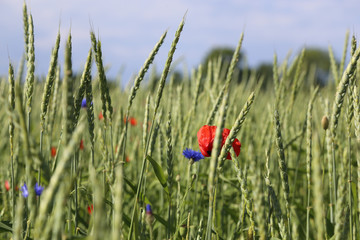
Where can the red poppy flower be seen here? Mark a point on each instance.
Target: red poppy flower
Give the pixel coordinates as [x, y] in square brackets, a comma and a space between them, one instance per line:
[132, 121]
[7, 185]
[101, 117]
[206, 135]
[127, 159]
[53, 151]
[82, 144]
[90, 209]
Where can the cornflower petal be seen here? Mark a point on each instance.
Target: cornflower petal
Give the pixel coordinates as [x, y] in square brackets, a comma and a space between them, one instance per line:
[38, 189]
[192, 155]
[24, 191]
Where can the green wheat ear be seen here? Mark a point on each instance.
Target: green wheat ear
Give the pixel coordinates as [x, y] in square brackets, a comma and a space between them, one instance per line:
[235, 129]
[67, 94]
[341, 91]
[50, 78]
[30, 74]
[341, 204]
[85, 78]
[274, 201]
[143, 70]
[282, 165]
[26, 29]
[11, 105]
[167, 65]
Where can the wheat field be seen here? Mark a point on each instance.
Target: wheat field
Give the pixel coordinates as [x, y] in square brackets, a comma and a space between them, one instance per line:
[206, 157]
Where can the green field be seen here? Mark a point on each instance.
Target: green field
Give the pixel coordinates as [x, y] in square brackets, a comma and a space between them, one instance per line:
[112, 164]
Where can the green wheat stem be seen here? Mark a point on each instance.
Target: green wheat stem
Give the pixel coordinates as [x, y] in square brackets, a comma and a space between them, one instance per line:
[157, 103]
[46, 96]
[181, 204]
[212, 179]
[133, 93]
[169, 161]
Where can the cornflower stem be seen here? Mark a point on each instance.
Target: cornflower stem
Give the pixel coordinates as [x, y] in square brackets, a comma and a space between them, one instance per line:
[194, 212]
[188, 173]
[39, 171]
[151, 232]
[181, 206]
[141, 177]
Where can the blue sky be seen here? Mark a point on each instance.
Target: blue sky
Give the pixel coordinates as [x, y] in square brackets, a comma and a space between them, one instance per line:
[129, 29]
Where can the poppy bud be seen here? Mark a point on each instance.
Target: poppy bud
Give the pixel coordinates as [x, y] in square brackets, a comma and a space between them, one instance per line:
[101, 116]
[81, 145]
[53, 152]
[90, 209]
[7, 185]
[325, 122]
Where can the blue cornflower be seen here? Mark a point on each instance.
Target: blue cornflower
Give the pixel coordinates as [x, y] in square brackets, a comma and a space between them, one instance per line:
[83, 103]
[149, 214]
[192, 155]
[148, 209]
[25, 191]
[38, 189]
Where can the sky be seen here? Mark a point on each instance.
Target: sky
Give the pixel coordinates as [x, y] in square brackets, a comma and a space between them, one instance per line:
[129, 30]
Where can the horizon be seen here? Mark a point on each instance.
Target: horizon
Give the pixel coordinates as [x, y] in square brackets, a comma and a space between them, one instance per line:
[129, 31]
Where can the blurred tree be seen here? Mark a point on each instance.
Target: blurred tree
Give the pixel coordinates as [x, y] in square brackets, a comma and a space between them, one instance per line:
[265, 70]
[226, 54]
[318, 59]
[316, 63]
